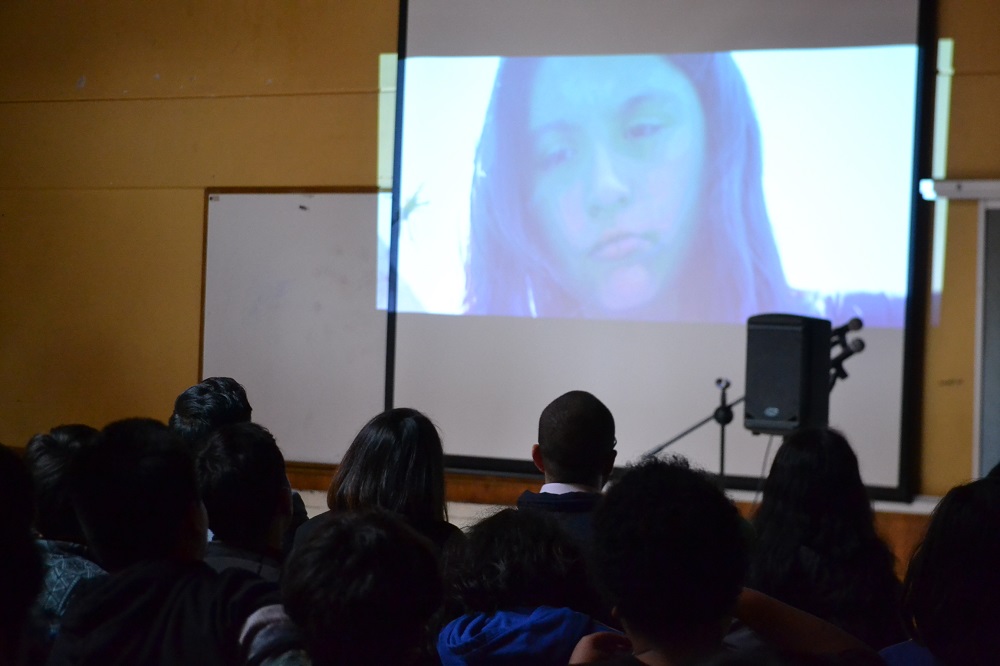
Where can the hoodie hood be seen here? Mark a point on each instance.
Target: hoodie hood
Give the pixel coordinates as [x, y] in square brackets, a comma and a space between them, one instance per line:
[540, 636]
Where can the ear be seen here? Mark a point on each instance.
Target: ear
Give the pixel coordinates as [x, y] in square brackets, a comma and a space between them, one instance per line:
[609, 466]
[536, 457]
[285, 503]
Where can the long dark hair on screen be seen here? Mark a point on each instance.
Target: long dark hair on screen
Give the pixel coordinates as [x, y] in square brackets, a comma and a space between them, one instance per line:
[817, 548]
[735, 257]
[396, 463]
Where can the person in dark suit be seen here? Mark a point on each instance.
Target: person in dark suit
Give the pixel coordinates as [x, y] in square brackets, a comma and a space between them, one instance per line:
[576, 453]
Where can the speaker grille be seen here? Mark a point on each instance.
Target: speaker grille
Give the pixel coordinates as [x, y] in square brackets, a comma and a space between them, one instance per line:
[788, 369]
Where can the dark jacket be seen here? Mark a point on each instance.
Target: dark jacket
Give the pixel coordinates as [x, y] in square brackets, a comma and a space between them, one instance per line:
[574, 511]
[161, 612]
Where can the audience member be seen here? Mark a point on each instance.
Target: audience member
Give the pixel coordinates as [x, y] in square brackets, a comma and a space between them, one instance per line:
[670, 549]
[67, 560]
[217, 402]
[817, 548]
[241, 476]
[210, 404]
[20, 563]
[953, 582]
[576, 453]
[395, 463]
[136, 495]
[362, 590]
[518, 593]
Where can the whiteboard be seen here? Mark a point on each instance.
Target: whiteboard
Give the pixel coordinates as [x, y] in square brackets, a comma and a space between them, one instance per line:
[290, 312]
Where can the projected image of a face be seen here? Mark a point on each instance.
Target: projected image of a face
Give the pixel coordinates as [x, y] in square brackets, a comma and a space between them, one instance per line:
[621, 187]
[617, 155]
[657, 187]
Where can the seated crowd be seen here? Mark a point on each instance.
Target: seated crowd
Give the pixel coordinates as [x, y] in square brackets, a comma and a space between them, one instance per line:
[183, 543]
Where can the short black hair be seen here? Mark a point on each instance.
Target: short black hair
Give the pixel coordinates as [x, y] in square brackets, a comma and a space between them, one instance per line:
[210, 404]
[241, 476]
[362, 589]
[576, 433]
[516, 559]
[395, 462]
[950, 593]
[669, 548]
[49, 457]
[132, 491]
[21, 573]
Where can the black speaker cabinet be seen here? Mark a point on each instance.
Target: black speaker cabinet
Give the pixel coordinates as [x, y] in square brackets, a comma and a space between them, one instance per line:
[788, 373]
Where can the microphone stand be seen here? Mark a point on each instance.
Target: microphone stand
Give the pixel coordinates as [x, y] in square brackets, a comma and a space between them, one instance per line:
[837, 372]
[723, 415]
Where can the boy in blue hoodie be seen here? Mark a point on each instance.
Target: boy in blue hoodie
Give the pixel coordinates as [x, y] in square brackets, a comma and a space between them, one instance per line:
[519, 593]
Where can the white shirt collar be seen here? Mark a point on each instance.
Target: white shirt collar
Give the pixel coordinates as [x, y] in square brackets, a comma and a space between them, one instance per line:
[563, 488]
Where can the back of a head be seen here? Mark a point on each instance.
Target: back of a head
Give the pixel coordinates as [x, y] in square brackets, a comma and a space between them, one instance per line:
[210, 404]
[814, 496]
[362, 589]
[953, 582]
[241, 477]
[21, 573]
[133, 490]
[576, 434]
[815, 471]
[669, 549]
[395, 463]
[516, 559]
[816, 544]
[50, 457]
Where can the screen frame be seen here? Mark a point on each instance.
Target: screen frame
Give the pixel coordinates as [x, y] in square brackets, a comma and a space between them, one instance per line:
[917, 300]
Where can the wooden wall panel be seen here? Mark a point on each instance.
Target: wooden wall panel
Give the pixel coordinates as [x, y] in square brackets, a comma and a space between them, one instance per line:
[314, 140]
[972, 24]
[118, 49]
[974, 146]
[101, 303]
[949, 383]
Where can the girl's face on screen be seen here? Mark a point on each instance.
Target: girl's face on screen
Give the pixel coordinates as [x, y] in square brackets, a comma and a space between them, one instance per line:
[618, 151]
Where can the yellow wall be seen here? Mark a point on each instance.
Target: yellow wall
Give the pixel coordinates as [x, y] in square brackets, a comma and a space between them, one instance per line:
[974, 152]
[117, 115]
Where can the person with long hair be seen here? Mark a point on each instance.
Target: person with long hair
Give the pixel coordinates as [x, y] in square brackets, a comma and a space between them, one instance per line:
[395, 463]
[952, 584]
[606, 186]
[817, 548]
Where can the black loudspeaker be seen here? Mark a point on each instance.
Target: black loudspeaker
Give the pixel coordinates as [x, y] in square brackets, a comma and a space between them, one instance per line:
[788, 373]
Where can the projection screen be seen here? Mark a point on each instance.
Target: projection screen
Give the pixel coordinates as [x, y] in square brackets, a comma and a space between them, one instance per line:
[597, 195]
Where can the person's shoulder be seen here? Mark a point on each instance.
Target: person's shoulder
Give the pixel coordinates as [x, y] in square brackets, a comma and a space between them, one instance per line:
[908, 653]
[222, 557]
[308, 527]
[439, 532]
[563, 502]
